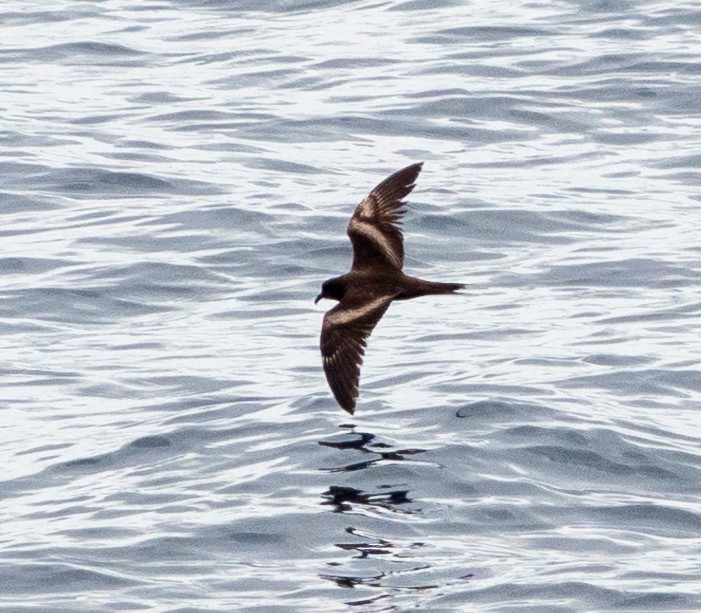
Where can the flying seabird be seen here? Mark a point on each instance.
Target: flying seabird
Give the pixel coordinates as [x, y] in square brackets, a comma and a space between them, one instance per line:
[374, 281]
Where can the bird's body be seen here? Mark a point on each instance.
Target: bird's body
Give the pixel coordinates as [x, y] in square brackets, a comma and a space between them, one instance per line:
[374, 281]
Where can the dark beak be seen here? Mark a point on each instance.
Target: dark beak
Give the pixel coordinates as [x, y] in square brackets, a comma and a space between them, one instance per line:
[319, 297]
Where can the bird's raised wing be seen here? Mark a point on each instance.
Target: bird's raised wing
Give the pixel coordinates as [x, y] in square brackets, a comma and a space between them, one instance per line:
[344, 335]
[374, 228]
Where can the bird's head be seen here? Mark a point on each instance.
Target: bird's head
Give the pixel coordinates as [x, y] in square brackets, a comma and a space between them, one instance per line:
[334, 289]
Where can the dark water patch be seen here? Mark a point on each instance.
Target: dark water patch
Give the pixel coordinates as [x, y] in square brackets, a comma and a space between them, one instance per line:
[514, 225]
[283, 166]
[501, 411]
[658, 601]
[207, 35]
[623, 34]
[626, 65]
[18, 142]
[692, 161]
[91, 48]
[95, 120]
[228, 258]
[389, 123]
[11, 203]
[104, 533]
[485, 34]
[150, 442]
[462, 64]
[57, 577]
[172, 548]
[87, 306]
[252, 217]
[683, 177]
[652, 519]
[485, 107]
[284, 7]
[186, 119]
[42, 449]
[568, 457]
[466, 391]
[160, 97]
[536, 596]
[617, 360]
[354, 62]
[28, 17]
[422, 5]
[138, 157]
[190, 384]
[679, 313]
[18, 173]
[250, 536]
[88, 182]
[78, 53]
[255, 78]
[139, 453]
[482, 335]
[668, 383]
[38, 376]
[565, 437]
[623, 137]
[231, 146]
[156, 283]
[30, 265]
[631, 272]
[611, 191]
[590, 462]
[194, 409]
[77, 506]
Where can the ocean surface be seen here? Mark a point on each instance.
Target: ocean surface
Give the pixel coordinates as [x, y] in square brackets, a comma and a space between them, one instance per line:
[176, 178]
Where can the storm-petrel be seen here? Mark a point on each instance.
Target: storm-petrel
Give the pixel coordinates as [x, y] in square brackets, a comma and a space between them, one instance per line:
[374, 281]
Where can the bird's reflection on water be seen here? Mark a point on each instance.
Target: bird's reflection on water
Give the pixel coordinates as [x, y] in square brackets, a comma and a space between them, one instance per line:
[402, 555]
[365, 443]
[344, 497]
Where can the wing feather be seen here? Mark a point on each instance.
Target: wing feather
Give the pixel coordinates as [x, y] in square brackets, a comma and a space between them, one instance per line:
[344, 335]
[375, 227]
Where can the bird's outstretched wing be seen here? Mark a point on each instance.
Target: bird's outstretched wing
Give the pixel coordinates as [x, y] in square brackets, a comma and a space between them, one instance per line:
[374, 228]
[344, 337]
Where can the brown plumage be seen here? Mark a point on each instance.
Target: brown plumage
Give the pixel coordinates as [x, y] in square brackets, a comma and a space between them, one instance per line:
[374, 281]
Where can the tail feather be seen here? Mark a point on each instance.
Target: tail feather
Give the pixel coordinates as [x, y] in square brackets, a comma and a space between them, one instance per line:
[419, 287]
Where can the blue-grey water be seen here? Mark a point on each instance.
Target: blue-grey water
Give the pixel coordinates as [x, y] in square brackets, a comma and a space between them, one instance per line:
[175, 182]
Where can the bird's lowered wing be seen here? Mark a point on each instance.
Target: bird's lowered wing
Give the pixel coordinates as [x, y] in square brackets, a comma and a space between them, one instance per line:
[374, 228]
[344, 335]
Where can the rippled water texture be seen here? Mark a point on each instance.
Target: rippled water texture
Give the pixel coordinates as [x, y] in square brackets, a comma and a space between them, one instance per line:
[176, 182]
